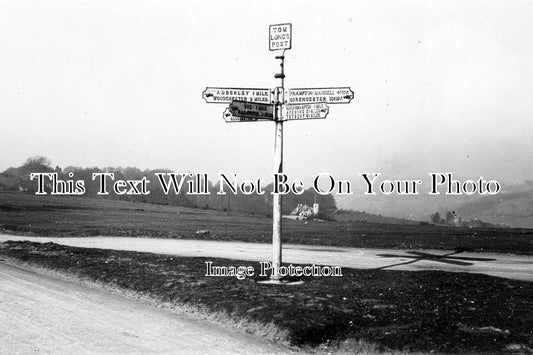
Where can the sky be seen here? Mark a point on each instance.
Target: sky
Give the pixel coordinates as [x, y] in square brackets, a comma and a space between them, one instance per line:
[440, 86]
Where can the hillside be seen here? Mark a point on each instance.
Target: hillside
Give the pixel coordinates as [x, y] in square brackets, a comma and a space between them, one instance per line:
[512, 208]
[68, 216]
[19, 179]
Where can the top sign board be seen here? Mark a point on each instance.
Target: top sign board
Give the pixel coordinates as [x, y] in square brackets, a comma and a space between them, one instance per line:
[227, 95]
[338, 95]
[280, 36]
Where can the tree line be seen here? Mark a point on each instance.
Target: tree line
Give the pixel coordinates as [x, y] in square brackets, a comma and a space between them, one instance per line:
[19, 179]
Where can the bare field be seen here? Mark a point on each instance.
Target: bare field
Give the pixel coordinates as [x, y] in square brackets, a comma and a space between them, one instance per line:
[79, 216]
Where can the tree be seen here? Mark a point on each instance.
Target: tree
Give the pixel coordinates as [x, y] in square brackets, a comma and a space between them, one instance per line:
[38, 160]
[435, 218]
[36, 164]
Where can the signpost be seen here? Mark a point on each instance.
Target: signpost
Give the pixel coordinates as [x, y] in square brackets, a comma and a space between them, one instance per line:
[252, 110]
[277, 105]
[280, 37]
[341, 95]
[227, 95]
[229, 116]
[305, 111]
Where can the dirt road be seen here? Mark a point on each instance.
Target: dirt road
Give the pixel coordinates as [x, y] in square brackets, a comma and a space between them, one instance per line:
[519, 267]
[42, 314]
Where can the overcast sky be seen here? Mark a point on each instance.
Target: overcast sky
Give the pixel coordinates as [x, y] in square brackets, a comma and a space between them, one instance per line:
[439, 86]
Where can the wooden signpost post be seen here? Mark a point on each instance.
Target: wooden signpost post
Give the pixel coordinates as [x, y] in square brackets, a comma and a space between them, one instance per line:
[277, 105]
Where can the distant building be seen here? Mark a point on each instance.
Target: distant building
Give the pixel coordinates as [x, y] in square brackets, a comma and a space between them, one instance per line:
[457, 222]
[305, 212]
[452, 220]
[315, 208]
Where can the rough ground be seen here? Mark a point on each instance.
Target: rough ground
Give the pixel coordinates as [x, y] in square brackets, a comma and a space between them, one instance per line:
[424, 311]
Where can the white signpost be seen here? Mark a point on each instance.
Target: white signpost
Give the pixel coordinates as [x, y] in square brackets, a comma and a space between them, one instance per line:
[277, 105]
[305, 111]
[280, 37]
[227, 95]
[340, 95]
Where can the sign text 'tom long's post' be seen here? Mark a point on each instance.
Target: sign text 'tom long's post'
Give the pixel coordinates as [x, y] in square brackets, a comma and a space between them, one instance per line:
[277, 105]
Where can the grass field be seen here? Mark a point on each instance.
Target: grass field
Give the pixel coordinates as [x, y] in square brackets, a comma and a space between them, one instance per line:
[79, 216]
[383, 310]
